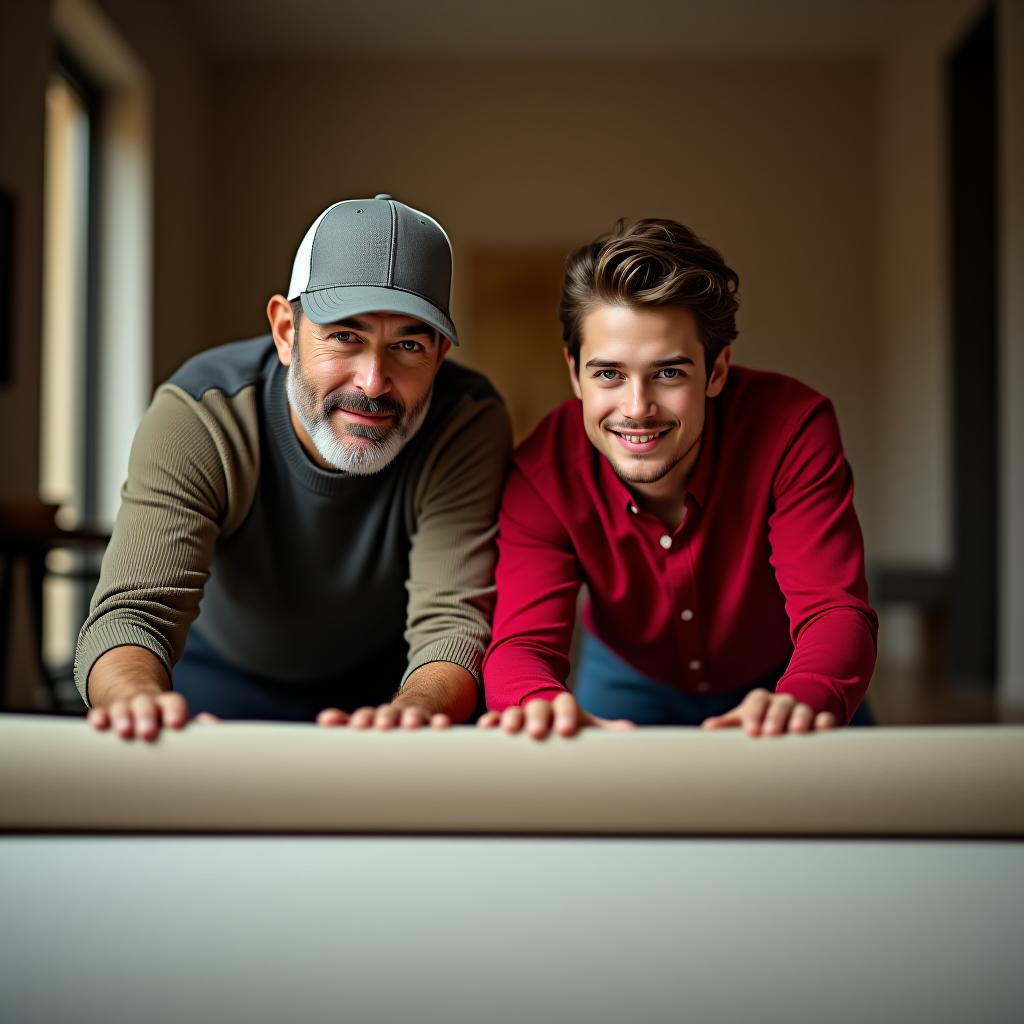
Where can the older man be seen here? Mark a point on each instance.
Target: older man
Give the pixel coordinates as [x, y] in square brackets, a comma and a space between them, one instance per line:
[320, 500]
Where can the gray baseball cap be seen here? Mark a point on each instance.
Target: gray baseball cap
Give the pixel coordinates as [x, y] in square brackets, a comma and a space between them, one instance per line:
[374, 256]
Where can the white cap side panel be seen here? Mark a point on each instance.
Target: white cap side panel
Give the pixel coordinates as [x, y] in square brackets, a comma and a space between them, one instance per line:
[304, 255]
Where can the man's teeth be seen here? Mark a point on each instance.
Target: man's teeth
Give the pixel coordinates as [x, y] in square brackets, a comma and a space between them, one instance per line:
[639, 439]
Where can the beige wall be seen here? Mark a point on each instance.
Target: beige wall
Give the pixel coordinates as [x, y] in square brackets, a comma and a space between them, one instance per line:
[773, 162]
[914, 454]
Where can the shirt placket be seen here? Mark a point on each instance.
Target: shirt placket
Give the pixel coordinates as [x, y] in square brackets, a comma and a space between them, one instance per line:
[679, 591]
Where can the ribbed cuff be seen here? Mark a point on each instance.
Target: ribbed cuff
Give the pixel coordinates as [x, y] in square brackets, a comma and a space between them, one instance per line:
[460, 650]
[105, 635]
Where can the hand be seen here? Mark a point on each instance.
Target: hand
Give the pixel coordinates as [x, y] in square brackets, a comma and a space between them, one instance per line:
[770, 714]
[385, 716]
[142, 715]
[562, 714]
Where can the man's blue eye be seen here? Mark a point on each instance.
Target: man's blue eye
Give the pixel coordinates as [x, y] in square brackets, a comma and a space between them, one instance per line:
[671, 372]
[608, 374]
[343, 335]
[411, 346]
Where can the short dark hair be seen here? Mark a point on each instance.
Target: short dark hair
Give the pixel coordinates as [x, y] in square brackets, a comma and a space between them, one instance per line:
[296, 305]
[653, 262]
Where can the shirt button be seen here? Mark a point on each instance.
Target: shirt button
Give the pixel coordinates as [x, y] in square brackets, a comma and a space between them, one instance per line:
[686, 615]
[633, 509]
[703, 687]
[694, 665]
[665, 541]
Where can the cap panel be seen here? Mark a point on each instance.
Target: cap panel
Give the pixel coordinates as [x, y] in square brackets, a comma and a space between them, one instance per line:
[352, 246]
[301, 264]
[423, 260]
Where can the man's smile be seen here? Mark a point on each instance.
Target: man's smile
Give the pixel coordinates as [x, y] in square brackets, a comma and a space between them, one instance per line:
[640, 442]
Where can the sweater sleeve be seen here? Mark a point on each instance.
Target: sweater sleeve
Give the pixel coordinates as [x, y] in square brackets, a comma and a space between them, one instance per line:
[452, 554]
[191, 476]
[818, 557]
[538, 579]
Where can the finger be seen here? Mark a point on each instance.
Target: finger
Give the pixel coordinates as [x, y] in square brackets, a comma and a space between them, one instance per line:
[206, 718]
[489, 719]
[776, 717]
[98, 718]
[387, 717]
[440, 721]
[120, 718]
[824, 720]
[730, 719]
[144, 714]
[539, 715]
[802, 718]
[567, 714]
[512, 718]
[362, 718]
[332, 716]
[753, 709]
[412, 718]
[173, 710]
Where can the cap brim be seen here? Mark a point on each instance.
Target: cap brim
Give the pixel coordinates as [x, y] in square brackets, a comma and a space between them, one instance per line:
[330, 305]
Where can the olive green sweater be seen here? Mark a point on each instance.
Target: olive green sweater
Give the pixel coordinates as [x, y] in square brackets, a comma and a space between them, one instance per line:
[297, 573]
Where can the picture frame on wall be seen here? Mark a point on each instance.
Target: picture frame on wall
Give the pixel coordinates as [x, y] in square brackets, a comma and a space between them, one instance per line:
[6, 284]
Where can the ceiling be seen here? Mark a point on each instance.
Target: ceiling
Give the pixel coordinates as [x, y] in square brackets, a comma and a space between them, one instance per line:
[545, 28]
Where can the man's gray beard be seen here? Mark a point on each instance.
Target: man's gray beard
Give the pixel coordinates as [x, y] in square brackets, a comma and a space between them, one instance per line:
[370, 455]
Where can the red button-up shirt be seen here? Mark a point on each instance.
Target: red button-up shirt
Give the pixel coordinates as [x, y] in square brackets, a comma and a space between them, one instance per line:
[765, 570]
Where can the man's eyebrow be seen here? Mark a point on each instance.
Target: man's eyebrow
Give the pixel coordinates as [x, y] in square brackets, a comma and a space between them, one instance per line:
[674, 361]
[412, 330]
[351, 322]
[610, 364]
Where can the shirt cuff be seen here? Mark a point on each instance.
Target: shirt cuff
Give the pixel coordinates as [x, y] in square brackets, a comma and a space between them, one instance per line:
[460, 650]
[818, 694]
[547, 692]
[105, 635]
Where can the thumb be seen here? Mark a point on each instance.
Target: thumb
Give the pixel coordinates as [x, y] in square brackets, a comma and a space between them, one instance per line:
[608, 723]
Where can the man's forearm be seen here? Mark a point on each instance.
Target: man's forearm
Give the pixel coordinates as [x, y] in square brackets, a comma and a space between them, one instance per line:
[440, 687]
[123, 672]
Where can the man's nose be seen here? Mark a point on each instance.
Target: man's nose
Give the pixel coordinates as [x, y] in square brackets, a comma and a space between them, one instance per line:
[371, 375]
[637, 403]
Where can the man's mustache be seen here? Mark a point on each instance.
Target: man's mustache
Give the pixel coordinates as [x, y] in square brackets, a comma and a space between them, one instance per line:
[357, 402]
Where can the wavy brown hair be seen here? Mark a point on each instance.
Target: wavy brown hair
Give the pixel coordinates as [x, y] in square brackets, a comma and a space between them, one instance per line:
[653, 262]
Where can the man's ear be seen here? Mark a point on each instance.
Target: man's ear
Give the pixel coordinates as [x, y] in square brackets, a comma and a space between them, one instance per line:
[574, 377]
[282, 327]
[719, 372]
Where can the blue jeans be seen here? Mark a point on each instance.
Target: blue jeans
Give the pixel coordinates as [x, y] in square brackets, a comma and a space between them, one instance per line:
[608, 687]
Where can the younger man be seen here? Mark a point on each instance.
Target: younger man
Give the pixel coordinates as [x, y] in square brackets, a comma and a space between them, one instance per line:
[708, 510]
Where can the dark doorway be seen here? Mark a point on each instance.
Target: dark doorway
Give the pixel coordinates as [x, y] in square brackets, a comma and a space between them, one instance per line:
[971, 78]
